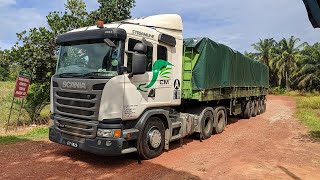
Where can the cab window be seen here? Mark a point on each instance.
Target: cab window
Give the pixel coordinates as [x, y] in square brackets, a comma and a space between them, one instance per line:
[162, 53]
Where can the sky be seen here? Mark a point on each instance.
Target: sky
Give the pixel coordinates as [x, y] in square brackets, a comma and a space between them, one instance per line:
[235, 23]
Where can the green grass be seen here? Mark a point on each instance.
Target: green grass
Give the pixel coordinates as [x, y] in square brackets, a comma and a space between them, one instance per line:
[308, 112]
[34, 134]
[6, 91]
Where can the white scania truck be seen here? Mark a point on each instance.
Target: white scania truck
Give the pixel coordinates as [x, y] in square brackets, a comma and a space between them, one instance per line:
[136, 86]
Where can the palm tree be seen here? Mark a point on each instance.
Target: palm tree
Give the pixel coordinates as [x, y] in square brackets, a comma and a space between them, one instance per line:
[263, 48]
[286, 55]
[308, 75]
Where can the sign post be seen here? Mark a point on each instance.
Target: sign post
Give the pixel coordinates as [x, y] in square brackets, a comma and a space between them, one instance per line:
[21, 92]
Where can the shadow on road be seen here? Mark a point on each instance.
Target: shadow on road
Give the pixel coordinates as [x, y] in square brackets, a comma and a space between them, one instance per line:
[120, 167]
[289, 173]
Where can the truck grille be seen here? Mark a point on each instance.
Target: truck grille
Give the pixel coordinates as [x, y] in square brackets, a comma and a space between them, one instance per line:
[76, 111]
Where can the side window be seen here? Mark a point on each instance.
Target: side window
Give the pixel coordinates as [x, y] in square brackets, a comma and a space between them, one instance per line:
[162, 53]
[131, 44]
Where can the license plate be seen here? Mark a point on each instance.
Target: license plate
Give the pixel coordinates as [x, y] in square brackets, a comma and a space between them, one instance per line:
[72, 144]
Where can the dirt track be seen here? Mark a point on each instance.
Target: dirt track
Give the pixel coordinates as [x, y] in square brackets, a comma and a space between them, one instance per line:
[272, 145]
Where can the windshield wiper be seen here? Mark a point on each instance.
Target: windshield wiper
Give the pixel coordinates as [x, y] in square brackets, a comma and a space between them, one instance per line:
[92, 74]
[70, 75]
[96, 75]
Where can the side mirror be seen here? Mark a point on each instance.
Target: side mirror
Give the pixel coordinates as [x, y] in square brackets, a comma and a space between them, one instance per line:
[140, 48]
[139, 63]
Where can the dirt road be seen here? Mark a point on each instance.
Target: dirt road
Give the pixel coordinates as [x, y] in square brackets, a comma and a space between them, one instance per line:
[272, 145]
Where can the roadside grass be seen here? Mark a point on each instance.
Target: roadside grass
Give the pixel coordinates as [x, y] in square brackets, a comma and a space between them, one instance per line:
[308, 112]
[6, 93]
[34, 134]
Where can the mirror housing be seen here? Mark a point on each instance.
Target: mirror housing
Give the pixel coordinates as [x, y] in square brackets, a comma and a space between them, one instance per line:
[140, 48]
[139, 63]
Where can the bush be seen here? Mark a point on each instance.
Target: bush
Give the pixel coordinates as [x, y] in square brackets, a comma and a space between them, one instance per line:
[4, 73]
[37, 99]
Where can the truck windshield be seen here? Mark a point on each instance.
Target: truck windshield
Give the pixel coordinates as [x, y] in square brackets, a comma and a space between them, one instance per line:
[94, 59]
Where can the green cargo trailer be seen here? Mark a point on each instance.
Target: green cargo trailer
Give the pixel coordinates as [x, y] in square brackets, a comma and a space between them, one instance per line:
[213, 71]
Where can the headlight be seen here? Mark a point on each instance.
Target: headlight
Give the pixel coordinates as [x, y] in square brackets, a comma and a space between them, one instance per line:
[109, 133]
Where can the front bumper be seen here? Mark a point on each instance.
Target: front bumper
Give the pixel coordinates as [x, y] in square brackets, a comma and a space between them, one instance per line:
[96, 145]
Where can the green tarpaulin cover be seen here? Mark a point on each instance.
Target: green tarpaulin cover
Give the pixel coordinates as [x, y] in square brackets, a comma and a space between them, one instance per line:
[218, 66]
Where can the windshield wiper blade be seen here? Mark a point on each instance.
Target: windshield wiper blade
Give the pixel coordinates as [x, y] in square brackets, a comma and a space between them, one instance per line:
[91, 74]
[69, 75]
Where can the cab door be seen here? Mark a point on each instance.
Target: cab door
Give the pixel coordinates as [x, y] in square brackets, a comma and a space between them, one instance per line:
[152, 88]
[135, 100]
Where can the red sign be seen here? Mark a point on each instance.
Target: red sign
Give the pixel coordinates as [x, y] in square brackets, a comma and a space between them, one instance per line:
[22, 85]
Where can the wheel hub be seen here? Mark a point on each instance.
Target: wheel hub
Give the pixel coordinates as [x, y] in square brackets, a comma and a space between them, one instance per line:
[154, 137]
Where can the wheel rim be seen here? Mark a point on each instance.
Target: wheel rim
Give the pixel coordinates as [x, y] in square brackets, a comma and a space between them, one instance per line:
[154, 137]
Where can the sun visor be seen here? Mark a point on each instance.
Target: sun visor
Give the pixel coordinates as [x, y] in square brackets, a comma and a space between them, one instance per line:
[91, 35]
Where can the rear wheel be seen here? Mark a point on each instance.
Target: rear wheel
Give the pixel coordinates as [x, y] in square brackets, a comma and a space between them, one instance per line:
[246, 111]
[153, 137]
[221, 118]
[259, 107]
[263, 105]
[254, 108]
[206, 126]
[264, 102]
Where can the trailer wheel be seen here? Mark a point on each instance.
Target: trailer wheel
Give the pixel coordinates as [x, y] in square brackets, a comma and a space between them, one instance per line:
[264, 105]
[260, 108]
[221, 118]
[246, 112]
[254, 108]
[153, 137]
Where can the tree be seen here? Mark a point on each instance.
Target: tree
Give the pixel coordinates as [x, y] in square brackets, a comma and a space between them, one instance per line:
[4, 67]
[308, 74]
[112, 10]
[263, 48]
[286, 55]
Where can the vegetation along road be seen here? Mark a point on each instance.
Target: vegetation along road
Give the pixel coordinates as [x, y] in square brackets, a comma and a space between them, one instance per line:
[272, 145]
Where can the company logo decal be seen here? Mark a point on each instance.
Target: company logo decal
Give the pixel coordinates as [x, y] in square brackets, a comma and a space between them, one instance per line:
[160, 67]
[74, 85]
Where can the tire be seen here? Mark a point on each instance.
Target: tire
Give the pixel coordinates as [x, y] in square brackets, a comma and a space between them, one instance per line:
[254, 108]
[206, 126]
[221, 118]
[150, 146]
[260, 107]
[246, 112]
[264, 105]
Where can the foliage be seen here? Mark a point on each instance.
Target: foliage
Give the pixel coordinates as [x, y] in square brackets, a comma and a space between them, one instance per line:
[34, 134]
[308, 74]
[37, 99]
[292, 65]
[4, 67]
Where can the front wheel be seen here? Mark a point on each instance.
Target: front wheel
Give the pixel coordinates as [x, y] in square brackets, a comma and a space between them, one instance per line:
[153, 138]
